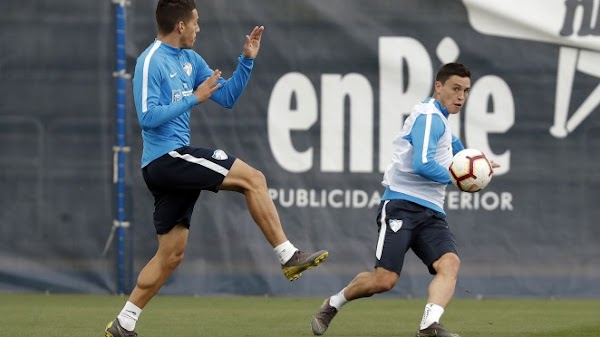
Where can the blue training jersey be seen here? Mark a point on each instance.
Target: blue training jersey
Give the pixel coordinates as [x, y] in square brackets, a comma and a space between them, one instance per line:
[163, 84]
[422, 153]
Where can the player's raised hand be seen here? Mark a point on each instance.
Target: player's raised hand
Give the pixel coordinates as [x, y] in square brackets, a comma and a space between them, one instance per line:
[494, 165]
[252, 44]
[208, 87]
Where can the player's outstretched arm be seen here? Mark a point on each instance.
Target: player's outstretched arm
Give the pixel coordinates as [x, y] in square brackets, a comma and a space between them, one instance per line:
[252, 45]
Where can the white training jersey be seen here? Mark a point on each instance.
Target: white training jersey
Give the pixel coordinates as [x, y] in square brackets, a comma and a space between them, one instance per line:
[401, 177]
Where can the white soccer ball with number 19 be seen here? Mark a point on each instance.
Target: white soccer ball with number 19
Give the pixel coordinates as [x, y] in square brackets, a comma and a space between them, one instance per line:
[470, 170]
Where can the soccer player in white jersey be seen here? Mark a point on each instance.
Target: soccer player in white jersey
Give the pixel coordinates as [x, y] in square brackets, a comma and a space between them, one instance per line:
[170, 78]
[411, 214]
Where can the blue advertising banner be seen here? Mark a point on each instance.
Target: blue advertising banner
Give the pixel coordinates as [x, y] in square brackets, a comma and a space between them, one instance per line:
[330, 89]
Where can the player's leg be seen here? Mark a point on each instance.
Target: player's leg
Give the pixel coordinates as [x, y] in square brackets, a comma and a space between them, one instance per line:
[166, 179]
[171, 247]
[172, 214]
[252, 183]
[364, 284]
[441, 288]
[214, 170]
[436, 247]
[392, 245]
[206, 169]
[152, 277]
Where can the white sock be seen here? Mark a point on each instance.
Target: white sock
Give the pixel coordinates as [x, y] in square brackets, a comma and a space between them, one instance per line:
[338, 300]
[432, 314]
[285, 251]
[129, 316]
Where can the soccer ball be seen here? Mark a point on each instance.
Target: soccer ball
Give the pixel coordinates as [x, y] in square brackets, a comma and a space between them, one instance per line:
[470, 170]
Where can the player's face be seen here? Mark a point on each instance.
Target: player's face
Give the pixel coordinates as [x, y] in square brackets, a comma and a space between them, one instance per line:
[453, 93]
[190, 29]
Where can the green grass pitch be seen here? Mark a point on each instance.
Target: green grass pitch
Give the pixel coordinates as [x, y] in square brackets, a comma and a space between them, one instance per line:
[28, 315]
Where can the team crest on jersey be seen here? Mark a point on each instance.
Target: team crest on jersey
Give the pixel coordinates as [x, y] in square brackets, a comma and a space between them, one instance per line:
[176, 95]
[187, 67]
[395, 224]
[219, 155]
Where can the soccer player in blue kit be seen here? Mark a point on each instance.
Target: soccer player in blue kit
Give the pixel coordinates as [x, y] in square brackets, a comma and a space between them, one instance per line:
[411, 214]
[170, 78]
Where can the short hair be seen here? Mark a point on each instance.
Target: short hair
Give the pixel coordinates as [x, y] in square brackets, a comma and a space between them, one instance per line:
[170, 12]
[450, 69]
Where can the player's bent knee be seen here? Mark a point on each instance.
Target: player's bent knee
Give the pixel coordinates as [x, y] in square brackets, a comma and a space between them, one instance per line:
[168, 261]
[256, 180]
[449, 263]
[174, 260]
[243, 178]
[384, 284]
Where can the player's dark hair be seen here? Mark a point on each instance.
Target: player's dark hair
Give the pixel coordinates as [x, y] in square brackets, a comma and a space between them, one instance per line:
[170, 12]
[450, 69]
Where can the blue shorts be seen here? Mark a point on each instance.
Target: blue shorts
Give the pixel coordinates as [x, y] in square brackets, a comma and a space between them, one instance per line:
[176, 179]
[404, 225]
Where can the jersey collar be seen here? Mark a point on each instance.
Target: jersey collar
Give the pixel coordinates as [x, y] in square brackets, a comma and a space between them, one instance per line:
[168, 48]
[438, 105]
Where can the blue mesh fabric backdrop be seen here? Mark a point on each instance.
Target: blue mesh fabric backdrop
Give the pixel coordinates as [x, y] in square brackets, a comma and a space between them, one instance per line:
[329, 90]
